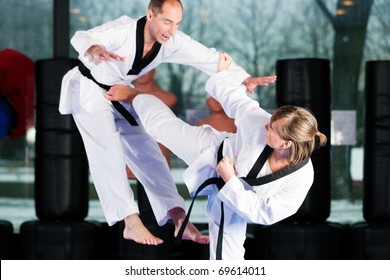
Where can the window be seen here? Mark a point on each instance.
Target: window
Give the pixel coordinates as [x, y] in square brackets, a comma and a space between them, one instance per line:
[256, 33]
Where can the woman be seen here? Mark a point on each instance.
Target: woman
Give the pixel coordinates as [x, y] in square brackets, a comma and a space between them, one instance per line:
[274, 150]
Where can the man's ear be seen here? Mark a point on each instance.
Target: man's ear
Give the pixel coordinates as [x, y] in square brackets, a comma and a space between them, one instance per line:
[149, 14]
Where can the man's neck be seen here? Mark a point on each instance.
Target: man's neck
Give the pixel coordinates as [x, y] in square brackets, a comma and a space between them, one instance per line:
[148, 40]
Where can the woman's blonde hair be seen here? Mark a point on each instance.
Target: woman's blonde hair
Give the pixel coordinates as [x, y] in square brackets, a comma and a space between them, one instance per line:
[299, 126]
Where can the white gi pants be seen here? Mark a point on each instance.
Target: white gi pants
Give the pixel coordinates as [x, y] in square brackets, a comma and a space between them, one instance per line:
[111, 143]
[188, 142]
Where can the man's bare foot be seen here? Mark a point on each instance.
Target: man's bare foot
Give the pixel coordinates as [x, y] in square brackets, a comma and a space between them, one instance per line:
[136, 231]
[190, 232]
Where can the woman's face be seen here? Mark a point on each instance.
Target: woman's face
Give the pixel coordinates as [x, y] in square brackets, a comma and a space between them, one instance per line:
[273, 138]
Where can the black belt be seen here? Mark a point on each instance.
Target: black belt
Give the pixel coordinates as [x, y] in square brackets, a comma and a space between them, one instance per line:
[250, 179]
[219, 182]
[126, 114]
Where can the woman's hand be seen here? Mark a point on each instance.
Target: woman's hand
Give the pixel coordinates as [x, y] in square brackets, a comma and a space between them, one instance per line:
[251, 82]
[224, 61]
[225, 169]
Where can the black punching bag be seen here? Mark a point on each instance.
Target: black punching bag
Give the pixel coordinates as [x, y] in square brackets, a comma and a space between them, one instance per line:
[376, 196]
[306, 83]
[82, 240]
[61, 166]
[6, 240]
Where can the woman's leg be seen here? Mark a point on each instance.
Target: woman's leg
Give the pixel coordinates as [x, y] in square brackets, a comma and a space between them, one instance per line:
[184, 140]
[145, 159]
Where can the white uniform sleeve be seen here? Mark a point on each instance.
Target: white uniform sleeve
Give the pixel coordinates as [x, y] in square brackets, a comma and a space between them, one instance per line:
[182, 49]
[260, 209]
[106, 35]
[234, 100]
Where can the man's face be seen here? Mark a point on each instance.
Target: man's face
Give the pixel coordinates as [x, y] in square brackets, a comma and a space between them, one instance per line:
[162, 26]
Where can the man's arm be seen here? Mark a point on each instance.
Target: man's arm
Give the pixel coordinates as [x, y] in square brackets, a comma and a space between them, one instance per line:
[252, 82]
[182, 49]
[99, 53]
[98, 38]
[122, 93]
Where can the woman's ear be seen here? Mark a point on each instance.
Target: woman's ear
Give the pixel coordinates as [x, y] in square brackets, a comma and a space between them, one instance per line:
[287, 144]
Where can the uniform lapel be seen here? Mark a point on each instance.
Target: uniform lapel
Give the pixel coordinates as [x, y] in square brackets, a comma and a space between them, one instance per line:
[140, 63]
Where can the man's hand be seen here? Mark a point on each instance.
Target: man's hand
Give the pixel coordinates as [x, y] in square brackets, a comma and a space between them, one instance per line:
[122, 93]
[252, 82]
[98, 53]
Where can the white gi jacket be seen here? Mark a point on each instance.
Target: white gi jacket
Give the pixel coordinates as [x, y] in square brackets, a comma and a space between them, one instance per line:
[265, 204]
[110, 141]
[120, 36]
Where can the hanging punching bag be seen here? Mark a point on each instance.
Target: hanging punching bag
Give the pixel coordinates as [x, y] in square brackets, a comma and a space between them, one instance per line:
[376, 182]
[61, 166]
[306, 83]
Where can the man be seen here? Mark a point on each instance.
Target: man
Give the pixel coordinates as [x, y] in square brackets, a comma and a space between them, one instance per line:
[113, 55]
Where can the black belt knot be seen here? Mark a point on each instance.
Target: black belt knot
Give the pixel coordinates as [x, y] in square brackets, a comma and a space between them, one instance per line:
[122, 110]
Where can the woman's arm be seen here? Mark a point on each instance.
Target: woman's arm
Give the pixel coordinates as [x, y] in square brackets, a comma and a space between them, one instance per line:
[264, 207]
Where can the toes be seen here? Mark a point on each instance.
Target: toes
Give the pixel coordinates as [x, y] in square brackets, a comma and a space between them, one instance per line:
[202, 239]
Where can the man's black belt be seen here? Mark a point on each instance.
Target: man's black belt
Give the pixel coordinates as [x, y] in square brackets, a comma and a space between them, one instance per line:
[122, 110]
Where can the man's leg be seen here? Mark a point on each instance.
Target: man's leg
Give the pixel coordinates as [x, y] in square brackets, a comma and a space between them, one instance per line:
[107, 168]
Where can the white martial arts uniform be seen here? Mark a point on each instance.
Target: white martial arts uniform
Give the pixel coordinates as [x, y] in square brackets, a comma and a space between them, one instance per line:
[264, 204]
[110, 141]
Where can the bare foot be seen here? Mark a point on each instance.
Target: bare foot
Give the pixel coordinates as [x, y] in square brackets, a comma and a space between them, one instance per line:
[136, 231]
[190, 232]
